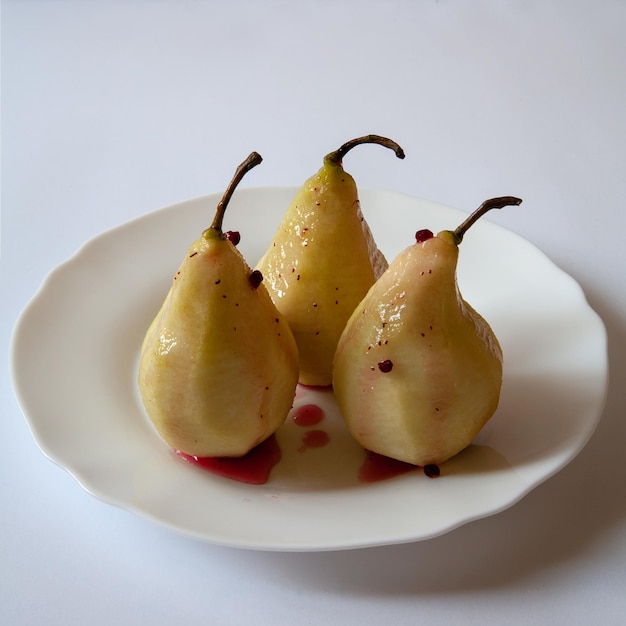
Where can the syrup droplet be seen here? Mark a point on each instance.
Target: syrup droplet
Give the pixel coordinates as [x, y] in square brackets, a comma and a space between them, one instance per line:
[314, 439]
[253, 468]
[423, 235]
[308, 415]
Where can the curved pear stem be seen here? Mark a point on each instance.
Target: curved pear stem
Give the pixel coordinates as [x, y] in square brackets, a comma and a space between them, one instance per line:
[336, 157]
[487, 205]
[254, 158]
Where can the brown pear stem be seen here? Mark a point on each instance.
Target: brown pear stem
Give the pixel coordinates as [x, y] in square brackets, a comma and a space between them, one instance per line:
[254, 158]
[336, 157]
[487, 205]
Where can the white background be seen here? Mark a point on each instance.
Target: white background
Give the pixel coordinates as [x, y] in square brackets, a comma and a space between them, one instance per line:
[113, 109]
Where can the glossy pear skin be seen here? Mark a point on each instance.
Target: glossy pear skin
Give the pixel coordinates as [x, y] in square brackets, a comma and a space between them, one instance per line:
[219, 365]
[446, 363]
[320, 264]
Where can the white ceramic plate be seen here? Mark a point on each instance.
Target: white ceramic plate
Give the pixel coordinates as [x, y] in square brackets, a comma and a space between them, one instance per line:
[75, 359]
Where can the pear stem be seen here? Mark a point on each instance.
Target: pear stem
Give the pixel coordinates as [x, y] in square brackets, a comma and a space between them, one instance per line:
[487, 205]
[254, 158]
[336, 157]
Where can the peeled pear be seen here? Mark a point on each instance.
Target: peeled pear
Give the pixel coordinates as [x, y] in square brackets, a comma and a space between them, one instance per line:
[417, 371]
[219, 365]
[322, 260]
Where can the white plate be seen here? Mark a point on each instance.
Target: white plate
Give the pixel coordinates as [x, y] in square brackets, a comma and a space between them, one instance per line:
[75, 360]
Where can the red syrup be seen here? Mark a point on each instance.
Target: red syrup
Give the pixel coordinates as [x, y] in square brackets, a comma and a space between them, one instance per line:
[308, 415]
[314, 439]
[253, 468]
[378, 467]
[302, 389]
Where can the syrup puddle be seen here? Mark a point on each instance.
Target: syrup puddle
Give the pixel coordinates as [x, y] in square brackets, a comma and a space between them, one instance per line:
[255, 467]
[377, 467]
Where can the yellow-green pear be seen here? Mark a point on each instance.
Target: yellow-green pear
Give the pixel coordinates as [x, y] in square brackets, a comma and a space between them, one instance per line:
[418, 371]
[322, 261]
[219, 365]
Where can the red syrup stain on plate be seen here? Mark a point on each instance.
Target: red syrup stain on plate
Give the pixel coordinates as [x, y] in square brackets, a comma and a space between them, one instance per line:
[308, 415]
[253, 468]
[303, 390]
[314, 439]
[377, 467]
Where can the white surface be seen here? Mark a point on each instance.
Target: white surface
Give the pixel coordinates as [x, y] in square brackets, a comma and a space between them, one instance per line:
[111, 110]
[84, 408]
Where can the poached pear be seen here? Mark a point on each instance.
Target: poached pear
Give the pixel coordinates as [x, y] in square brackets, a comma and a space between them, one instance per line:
[219, 365]
[322, 261]
[417, 371]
